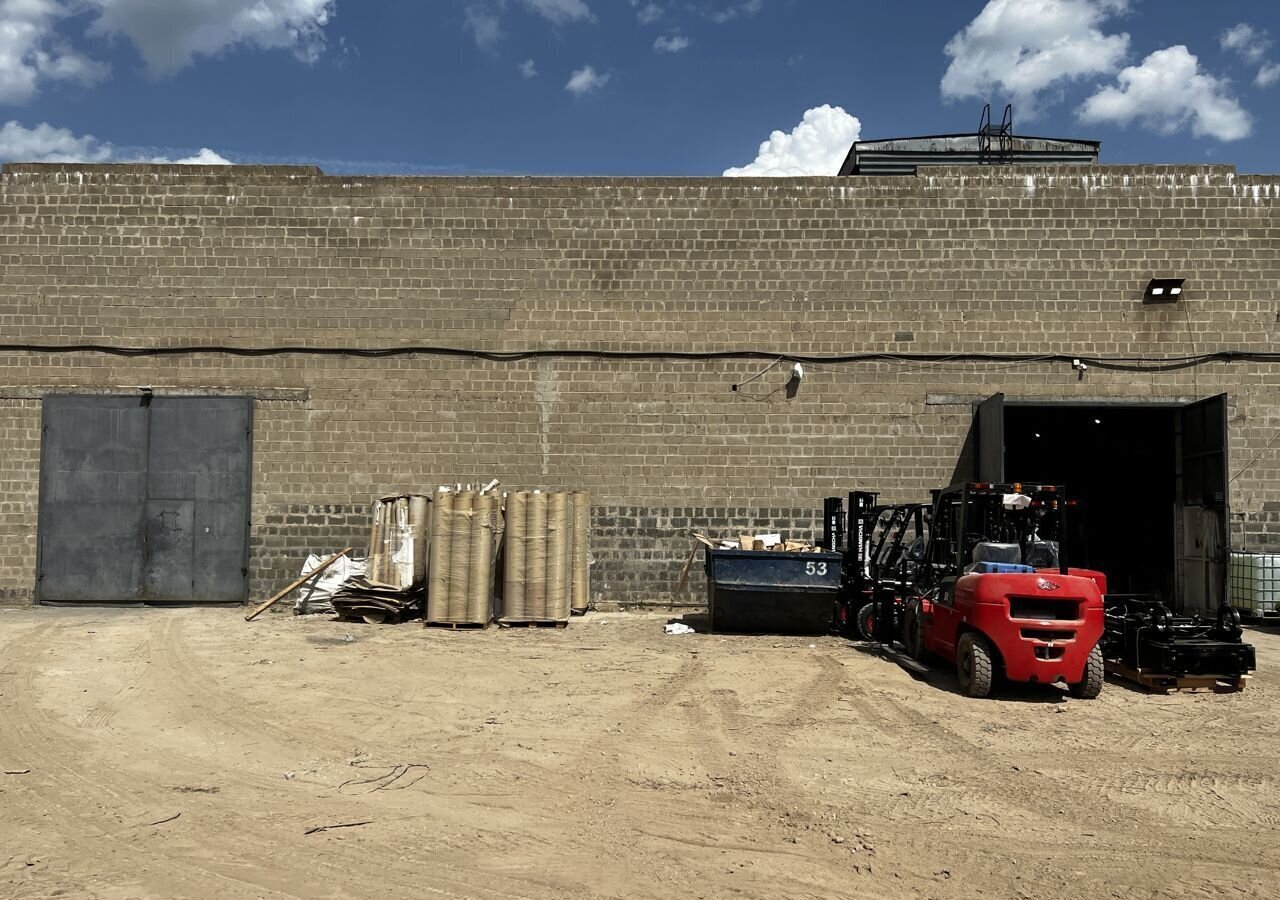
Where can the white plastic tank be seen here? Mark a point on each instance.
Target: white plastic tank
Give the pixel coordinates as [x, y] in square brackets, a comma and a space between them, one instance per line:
[1255, 583]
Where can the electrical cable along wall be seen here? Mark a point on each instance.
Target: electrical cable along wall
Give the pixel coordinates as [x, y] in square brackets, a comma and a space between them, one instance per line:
[1110, 363]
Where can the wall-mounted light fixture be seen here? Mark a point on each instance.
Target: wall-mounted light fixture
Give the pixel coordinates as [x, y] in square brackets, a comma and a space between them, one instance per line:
[793, 384]
[1163, 290]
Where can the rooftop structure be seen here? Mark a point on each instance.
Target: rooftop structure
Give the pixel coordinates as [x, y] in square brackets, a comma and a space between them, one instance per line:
[989, 145]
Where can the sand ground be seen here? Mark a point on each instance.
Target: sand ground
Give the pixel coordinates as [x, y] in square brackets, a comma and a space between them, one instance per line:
[187, 754]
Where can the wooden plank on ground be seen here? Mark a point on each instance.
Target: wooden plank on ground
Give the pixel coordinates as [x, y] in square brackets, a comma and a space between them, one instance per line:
[299, 582]
[1155, 681]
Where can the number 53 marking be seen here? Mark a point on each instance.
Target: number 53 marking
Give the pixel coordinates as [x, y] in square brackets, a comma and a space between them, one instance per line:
[812, 568]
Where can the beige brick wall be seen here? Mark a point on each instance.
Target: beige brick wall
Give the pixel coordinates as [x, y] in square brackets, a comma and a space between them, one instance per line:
[1017, 261]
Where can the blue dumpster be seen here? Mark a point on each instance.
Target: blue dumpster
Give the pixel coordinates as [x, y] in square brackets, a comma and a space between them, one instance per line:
[771, 592]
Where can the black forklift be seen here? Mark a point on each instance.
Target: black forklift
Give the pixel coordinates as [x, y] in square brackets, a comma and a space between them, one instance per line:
[881, 548]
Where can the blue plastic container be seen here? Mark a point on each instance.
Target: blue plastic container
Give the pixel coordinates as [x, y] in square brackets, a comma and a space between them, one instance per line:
[998, 568]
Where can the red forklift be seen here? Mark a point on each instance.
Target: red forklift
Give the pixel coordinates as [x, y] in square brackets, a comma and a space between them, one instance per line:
[995, 596]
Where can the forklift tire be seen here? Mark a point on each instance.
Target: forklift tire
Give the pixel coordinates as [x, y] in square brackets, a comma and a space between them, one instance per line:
[975, 665]
[846, 624]
[1094, 676]
[913, 634]
[867, 622]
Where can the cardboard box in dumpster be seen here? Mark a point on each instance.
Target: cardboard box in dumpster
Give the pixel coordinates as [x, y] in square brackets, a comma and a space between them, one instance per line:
[763, 542]
[744, 542]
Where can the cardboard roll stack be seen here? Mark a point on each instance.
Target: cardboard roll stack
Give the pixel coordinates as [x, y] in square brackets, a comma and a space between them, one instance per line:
[545, 559]
[466, 533]
[398, 542]
[390, 589]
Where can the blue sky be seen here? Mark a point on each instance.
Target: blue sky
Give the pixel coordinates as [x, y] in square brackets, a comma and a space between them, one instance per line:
[668, 87]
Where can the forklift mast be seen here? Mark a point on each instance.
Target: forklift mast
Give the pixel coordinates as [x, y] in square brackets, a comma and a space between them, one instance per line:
[833, 524]
[862, 505]
[966, 514]
[849, 531]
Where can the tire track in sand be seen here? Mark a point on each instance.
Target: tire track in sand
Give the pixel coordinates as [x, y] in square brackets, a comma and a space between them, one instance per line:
[91, 797]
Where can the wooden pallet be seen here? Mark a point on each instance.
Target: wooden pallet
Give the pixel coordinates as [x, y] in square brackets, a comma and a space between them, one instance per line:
[1164, 684]
[537, 623]
[458, 626]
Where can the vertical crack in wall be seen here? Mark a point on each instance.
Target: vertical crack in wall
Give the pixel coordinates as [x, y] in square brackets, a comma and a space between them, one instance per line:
[546, 392]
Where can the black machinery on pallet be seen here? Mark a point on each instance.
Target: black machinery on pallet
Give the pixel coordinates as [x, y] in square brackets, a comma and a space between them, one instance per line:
[881, 546]
[1146, 642]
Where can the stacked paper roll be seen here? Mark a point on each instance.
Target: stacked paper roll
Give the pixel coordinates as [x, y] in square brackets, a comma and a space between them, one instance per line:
[541, 554]
[513, 581]
[441, 533]
[420, 526]
[580, 589]
[374, 561]
[400, 545]
[557, 594]
[535, 558]
[479, 608]
[469, 526]
[398, 541]
[460, 556]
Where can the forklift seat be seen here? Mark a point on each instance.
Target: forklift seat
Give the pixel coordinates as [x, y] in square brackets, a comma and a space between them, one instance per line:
[989, 551]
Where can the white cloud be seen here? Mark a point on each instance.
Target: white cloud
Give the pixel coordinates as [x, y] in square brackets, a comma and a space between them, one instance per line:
[171, 33]
[31, 53]
[817, 146]
[529, 69]
[44, 143]
[585, 80]
[205, 157]
[647, 13]
[1247, 41]
[735, 11]
[1025, 47]
[673, 43]
[168, 34]
[559, 12]
[1168, 92]
[1252, 44]
[483, 18]
[483, 23]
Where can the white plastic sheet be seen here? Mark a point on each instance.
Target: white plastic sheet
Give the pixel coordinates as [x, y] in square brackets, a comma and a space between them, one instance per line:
[326, 585]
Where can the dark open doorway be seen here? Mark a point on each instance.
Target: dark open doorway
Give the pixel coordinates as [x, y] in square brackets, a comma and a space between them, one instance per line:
[1151, 479]
[1118, 462]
